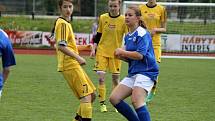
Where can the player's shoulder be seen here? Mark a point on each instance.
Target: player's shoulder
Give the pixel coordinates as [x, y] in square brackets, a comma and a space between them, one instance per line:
[141, 31]
[142, 6]
[122, 16]
[2, 33]
[160, 7]
[104, 15]
[61, 20]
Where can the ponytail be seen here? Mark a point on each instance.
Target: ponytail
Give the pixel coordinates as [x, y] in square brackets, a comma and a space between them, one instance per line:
[142, 24]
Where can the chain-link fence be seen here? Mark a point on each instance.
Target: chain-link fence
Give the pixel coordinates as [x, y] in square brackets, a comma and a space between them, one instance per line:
[50, 7]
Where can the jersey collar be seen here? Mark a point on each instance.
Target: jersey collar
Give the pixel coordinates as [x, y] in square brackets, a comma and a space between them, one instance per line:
[114, 16]
[151, 6]
[64, 19]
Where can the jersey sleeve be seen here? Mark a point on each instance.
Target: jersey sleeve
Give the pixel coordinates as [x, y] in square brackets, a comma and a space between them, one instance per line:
[8, 58]
[163, 14]
[99, 30]
[61, 34]
[143, 44]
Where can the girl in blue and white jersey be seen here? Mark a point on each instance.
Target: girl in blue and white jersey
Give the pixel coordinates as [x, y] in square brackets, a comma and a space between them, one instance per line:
[142, 69]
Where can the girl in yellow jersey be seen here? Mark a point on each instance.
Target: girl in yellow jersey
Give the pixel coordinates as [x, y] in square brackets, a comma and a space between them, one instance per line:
[154, 17]
[69, 62]
[110, 32]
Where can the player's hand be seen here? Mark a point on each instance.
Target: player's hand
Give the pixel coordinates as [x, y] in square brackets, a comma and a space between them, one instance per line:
[154, 31]
[81, 61]
[119, 52]
[92, 53]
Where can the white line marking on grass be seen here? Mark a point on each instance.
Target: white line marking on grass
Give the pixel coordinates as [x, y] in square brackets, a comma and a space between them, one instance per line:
[189, 57]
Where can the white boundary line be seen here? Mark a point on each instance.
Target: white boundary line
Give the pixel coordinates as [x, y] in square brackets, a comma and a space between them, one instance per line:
[189, 57]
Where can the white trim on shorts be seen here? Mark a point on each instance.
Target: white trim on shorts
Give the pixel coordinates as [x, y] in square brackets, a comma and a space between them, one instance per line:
[100, 72]
[138, 80]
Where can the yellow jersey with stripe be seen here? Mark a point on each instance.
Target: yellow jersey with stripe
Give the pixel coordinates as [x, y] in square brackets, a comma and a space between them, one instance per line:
[64, 36]
[113, 30]
[153, 17]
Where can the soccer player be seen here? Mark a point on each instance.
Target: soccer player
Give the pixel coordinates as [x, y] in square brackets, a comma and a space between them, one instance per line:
[69, 62]
[154, 17]
[8, 59]
[110, 32]
[142, 69]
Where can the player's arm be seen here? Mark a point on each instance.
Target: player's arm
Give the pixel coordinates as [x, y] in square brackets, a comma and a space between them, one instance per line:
[5, 73]
[8, 58]
[70, 53]
[121, 53]
[62, 33]
[97, 37]
[162, 28]
[95, 44]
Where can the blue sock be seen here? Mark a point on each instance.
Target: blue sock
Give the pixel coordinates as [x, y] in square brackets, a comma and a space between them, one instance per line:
[143, 114]
[126, 111]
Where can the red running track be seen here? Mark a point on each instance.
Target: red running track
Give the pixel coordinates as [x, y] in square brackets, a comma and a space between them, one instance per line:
[85, 52]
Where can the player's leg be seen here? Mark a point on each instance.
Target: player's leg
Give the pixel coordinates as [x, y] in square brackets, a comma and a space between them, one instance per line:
[102, 91]
[157, 51]
[142, 86]
[83, 89]
[117, 96]
[100, 67]
[114, 66]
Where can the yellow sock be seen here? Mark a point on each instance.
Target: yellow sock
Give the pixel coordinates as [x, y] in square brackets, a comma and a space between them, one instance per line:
[102, 92]
[154, 88]
[86, 110]
[78, 113]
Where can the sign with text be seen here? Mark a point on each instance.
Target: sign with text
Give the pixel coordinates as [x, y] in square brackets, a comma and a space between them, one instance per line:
[188, 43]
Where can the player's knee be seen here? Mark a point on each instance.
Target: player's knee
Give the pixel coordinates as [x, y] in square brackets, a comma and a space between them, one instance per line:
[101, 80]
[93, 97]
[115, 79]
[86, 99]
[137, 102]
[101, 75]
[114, 99]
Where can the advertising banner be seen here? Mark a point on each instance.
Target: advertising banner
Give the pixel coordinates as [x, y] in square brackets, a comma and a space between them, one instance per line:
[170, 42]
[25, 38]
[39, 38]
[188, 43]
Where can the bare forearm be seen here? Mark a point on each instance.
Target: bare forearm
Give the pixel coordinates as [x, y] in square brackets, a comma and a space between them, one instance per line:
[70, 53]
[66, 51]
[132, 55]
[160, 30]
[5, 73]
[94, 46]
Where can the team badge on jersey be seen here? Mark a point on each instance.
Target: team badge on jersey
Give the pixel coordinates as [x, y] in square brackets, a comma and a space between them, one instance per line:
[134, 39]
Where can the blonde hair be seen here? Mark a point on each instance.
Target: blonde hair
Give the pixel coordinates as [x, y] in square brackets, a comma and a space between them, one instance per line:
[137, 13]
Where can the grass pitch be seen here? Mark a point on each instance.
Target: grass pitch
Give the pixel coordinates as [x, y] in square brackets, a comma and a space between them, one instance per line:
[35, 91]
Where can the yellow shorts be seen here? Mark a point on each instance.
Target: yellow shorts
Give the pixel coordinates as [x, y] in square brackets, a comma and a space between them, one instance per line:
[106, 63]
[157, 51]
[79, 82]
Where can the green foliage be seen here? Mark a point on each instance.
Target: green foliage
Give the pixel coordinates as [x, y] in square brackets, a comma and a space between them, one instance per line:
[27, 24]
[84, 26]
[35, 91]
[191, 28]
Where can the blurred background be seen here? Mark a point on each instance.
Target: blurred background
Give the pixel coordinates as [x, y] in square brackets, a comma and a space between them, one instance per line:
[50, 7]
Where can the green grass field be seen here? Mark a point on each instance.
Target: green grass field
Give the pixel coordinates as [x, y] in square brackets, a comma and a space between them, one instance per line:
[35, 91]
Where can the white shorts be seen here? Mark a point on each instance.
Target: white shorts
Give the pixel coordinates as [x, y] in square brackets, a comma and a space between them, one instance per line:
[138, 80]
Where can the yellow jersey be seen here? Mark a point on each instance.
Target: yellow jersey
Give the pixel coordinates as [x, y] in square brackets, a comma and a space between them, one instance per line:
[64, 36]
[113, 30]
[153, 17]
